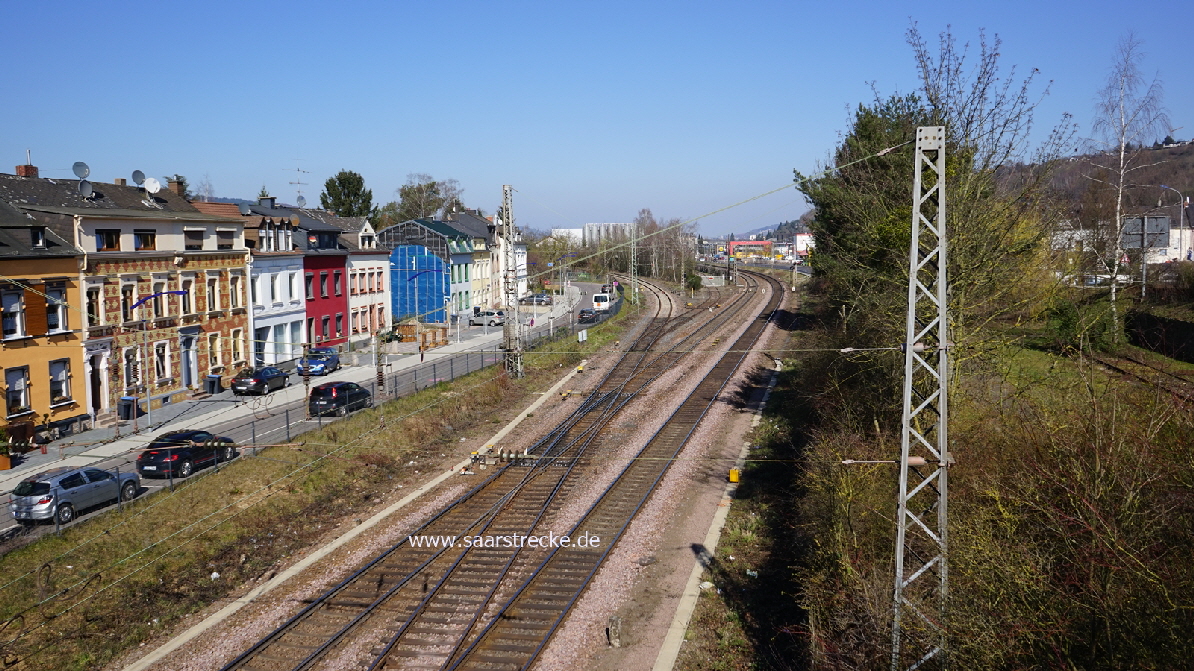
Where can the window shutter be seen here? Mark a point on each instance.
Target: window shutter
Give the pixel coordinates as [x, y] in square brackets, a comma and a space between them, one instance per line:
[35, 311]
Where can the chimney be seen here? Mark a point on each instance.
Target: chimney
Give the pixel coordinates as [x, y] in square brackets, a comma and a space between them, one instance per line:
[120, 181]
[176, 187]
[267, 201]
[27, 171]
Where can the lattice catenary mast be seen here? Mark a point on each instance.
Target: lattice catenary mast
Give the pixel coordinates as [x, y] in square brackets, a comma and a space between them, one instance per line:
[511, 336]
[919, 633]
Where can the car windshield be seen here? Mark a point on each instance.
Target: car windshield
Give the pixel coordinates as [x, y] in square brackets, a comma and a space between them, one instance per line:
[28, 488]
[246, 372]
[318, 358]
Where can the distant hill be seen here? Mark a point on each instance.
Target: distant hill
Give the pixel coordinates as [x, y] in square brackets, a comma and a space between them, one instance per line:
[1075, 180]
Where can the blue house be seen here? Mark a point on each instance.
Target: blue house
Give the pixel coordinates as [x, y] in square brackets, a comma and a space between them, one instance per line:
[420, 284]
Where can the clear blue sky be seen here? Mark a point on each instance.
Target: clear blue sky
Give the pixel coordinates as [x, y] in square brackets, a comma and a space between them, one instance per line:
[590, 110]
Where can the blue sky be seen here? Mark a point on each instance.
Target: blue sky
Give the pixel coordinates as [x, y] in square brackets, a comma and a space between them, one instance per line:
[590, 110]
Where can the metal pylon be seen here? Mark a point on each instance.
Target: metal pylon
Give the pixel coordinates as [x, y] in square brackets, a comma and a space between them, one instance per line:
[512, 328]
[919, 634]
[634, 262]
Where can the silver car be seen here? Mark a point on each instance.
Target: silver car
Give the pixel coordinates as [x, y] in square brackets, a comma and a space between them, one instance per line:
[62, 492]
[488, 317]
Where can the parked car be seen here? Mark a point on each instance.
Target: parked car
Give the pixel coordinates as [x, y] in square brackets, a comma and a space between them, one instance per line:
[586, 315]
[259, 380]
[62, 492]
[542, 299]
[338, 398]
[319, 361]
[178, 453]
[488, 317]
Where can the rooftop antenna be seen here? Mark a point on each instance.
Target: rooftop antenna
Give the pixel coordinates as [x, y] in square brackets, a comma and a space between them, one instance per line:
[152, 185]
[138, 177]
[85, 189]
[244, 209]
[298, 180]
[81, 170]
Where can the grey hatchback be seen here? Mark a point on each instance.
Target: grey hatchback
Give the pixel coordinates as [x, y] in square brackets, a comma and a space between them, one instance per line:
[63, 491]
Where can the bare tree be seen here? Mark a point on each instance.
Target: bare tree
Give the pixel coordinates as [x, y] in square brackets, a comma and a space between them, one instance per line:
[1129, 114]
[204, 191]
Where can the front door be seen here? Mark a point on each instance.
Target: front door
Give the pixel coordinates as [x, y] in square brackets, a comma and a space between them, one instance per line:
[189, 372]
[95, 379]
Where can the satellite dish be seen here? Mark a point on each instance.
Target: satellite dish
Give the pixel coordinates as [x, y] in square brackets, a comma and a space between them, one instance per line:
[81, 170]
[152, 185]
[244, 208]
[302, 201]
[138, 177]
[85, 189]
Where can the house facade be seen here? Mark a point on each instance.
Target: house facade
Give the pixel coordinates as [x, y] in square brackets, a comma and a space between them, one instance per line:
[367, 276]
[41, 351]
[162, 284]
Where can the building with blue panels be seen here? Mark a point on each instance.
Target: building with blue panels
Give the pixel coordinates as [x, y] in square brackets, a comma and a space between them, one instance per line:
[420, 284]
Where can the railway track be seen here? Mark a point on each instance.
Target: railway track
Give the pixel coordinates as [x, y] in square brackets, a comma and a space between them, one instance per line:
[436, 607]
[1181, 387]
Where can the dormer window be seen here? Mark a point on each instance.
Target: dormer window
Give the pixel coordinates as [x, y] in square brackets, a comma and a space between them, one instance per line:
[38, 235]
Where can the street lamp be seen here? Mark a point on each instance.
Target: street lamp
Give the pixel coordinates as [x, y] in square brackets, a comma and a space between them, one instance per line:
[1181, 208]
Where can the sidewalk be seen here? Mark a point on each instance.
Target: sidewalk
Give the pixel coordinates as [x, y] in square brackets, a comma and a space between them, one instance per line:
[95, 445]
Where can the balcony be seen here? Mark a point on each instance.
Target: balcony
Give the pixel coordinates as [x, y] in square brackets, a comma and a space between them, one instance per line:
[101, 331]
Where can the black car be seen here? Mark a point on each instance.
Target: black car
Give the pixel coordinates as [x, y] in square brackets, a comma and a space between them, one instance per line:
[338, 398]
[586, 315]
[259, 380]
[179, 453]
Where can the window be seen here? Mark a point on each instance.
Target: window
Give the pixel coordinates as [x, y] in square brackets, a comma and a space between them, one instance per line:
[145, 239]
[327, 321]
[353, 283]
[253, 289]
[94, 306]
[323, 284]
[237, 337]
[37, 237]
[213, 294]
[367, 242]
[234, 291]
[161, 360]
[192, 240]
[224, 239]
[132, 368]
[17, 394]
[187, 286]
[56, 309]
[293, 286]
[14, 314]
[310, 329]
[159, 309]
[128, 296]
[339, 325]
[107, 240]
[381, 317]
[336, 281]
[310, 286]
[354, 322]
[274, 282]
[214, 350]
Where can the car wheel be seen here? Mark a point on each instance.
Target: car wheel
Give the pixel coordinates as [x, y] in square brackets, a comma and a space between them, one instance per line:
[342, 411]
[185, 469]
[286, 382]
[66, 513]
[128, 491]
[227, 453]
[493, 323]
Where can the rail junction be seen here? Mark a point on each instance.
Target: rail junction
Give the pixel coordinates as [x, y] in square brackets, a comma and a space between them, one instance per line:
[457, 607]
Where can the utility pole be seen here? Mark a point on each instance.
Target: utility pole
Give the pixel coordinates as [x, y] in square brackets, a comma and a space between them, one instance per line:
[511, 329]
[634, 263]
[919, 634]
[377, 359]
[307, 377]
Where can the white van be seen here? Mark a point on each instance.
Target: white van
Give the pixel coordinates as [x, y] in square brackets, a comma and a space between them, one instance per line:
[601, 302]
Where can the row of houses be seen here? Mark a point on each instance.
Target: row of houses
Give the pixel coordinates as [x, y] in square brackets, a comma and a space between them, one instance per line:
[112, 293]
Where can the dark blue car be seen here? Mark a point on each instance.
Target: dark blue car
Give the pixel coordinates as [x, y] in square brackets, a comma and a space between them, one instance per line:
[319, 361]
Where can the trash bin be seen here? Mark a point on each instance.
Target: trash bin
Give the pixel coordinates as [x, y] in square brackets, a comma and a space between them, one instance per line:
[127, 407]
[213, 384]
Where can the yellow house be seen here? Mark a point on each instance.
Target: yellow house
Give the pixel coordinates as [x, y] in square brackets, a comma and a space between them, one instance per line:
[41, 350]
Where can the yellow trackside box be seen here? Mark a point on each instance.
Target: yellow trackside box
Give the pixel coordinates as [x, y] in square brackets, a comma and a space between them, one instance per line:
[734, 475]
